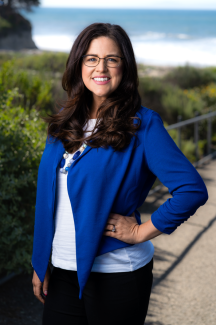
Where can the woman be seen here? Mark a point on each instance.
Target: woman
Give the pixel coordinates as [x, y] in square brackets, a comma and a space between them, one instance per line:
[102, 156]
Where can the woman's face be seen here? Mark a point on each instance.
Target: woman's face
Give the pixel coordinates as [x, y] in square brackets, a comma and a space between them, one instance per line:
[102, 46]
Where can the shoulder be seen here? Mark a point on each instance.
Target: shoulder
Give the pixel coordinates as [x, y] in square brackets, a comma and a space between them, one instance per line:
[147, 115]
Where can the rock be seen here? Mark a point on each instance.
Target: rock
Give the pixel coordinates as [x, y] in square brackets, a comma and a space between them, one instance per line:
[17, 35]
[17, 41]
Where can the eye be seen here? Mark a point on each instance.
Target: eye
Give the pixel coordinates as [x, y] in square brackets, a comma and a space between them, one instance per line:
[92, 59]
[112, 59]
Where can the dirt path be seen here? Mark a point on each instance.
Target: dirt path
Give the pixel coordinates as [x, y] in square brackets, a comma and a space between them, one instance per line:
[18, 305]
[184, 289]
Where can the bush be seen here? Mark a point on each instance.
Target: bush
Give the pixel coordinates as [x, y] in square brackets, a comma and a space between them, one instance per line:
[22, 140]
[36, 90]
[169, 100]
[189, 77]
[4, 24]
[208, 94]
[151, 91]
[46, 61]
[182, 102]
[54, 62]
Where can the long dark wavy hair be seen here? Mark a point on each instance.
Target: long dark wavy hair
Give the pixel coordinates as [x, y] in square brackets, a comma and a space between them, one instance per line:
[115, 126]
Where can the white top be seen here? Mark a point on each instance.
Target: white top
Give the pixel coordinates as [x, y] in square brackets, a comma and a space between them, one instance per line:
[64, 244]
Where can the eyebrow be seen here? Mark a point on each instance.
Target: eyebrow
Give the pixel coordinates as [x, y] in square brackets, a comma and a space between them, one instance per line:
[105, 56]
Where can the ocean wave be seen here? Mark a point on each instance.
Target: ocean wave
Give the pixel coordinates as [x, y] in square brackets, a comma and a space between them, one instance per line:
[196, 52]
[59, 43]
[154, 36]
[148, 36]
[200, 52]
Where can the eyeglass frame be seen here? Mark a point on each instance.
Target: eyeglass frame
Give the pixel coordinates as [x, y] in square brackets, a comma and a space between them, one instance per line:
[83, 56]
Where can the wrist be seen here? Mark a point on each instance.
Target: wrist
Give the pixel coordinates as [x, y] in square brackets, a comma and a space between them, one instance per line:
[147, 231]
[139, 235]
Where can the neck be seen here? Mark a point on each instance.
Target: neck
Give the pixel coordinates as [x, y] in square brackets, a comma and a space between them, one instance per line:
[96, 102]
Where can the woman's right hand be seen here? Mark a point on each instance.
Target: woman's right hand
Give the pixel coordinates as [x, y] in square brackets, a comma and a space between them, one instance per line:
[37, 285]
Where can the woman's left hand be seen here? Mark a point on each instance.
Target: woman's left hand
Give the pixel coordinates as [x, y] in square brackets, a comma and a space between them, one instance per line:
[126, 228]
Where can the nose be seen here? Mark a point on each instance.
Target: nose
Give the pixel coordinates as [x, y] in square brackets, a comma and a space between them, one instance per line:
[101, 66]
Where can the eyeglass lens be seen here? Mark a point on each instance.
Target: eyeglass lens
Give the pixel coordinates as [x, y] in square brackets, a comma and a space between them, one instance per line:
[92, 61]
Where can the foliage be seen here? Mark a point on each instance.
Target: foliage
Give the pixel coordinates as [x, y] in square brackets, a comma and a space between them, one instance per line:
[45, 61]
[6, 56]
[151, 91]
[22, 140]
[188, 146]
[27, 4]
[4, 23]
[54, 62]
[14, 22]
[208, 94]
[181, 102]
[36, 90]
[189, 77]
[170, 100]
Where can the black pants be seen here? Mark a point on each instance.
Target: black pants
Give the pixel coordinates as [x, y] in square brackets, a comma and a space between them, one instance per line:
[108, 298]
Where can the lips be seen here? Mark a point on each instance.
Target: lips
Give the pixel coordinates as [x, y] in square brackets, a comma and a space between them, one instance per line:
[101, 80]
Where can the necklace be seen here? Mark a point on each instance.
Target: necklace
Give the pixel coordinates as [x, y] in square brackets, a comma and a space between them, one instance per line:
[74, 157]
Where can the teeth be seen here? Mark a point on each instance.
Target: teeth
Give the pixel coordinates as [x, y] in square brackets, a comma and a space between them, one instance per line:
[101, 79]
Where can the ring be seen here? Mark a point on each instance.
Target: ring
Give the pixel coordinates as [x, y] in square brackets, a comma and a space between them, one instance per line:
[113, 230]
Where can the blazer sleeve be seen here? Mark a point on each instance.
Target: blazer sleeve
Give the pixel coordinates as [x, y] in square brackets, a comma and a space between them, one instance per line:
[166, 161]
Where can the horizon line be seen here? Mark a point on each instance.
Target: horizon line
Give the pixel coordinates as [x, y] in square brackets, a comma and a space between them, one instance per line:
[130, 8]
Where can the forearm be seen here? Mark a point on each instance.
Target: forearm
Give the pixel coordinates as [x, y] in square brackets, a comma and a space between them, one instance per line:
[147, 231]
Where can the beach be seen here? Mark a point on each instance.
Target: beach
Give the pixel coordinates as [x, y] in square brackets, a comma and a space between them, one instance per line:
[159, 37]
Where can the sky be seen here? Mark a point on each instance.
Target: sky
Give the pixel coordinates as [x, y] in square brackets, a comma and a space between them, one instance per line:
[151, 4]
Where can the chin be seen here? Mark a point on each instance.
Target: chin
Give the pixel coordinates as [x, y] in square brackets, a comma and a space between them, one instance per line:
[100, 94]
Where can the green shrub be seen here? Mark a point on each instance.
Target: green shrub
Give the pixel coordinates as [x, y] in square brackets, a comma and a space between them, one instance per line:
[169, 100]
[208, 94]
[22, 140]
[188, 149]
[180, 102]
[188, 146]
[4, 24]
[54, 62]
[151, 91]
[36, 91]
[187, 77]
[46, 61]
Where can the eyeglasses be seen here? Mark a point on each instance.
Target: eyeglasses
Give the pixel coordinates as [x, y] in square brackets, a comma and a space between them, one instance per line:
[110, 61]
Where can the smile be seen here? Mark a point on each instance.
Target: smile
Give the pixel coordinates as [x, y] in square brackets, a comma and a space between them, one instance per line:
[101, 81]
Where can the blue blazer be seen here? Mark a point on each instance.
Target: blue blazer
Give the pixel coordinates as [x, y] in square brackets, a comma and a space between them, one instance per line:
[101, 181]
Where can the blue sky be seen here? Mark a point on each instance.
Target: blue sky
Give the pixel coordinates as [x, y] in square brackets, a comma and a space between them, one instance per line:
[153, 4]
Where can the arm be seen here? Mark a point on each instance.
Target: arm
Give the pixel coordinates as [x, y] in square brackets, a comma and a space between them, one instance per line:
[128, 230]
[147, 231]
[168, 163]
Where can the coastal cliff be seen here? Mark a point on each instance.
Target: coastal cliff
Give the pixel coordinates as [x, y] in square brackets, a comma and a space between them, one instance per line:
[15, 31]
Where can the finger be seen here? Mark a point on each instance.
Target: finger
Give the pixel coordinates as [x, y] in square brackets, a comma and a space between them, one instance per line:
[38, 294]
[109, 233]
[109, 227]
[45, 287]
[115, 216]
[113, 220]
[46, 282]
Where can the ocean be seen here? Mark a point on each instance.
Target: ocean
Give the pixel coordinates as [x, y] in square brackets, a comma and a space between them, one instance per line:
[159, 37]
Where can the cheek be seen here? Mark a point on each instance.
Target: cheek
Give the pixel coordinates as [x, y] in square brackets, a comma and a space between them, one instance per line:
[119, 70]
[118, 74]
[85, 75]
